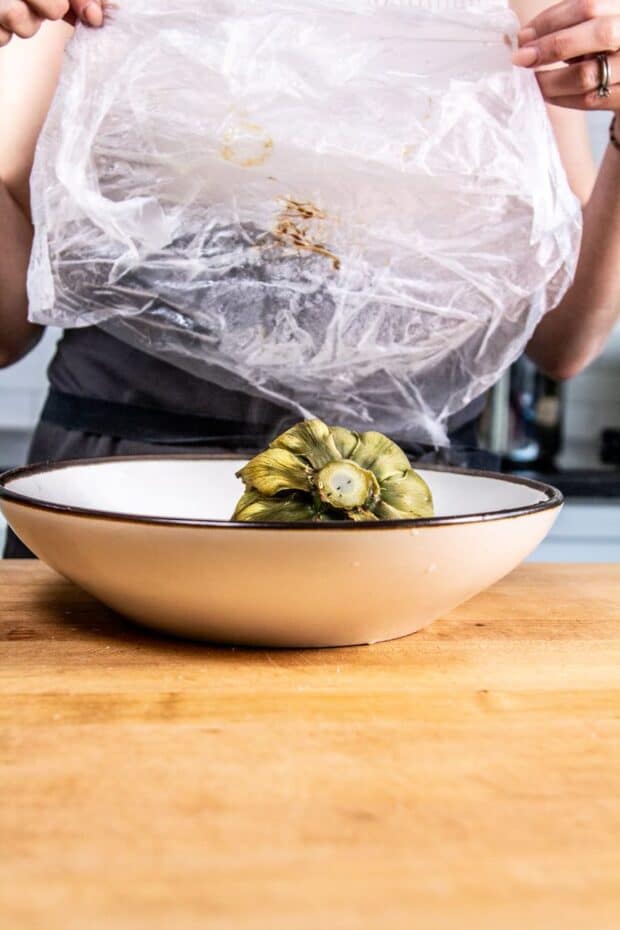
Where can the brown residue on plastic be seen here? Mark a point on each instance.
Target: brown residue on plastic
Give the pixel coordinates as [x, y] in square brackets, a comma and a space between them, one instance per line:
[296, 226]
[247, 146]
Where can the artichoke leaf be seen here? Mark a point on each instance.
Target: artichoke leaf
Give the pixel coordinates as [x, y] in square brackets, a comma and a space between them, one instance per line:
[380, 455]
[275, 470]
[254, 508]
[408, 494]
[362, 515]
[345, 440]
[310, 439]
[385, 511]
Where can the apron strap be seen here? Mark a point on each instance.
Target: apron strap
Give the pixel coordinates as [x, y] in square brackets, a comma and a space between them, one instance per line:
[148, 424]
[165, 427]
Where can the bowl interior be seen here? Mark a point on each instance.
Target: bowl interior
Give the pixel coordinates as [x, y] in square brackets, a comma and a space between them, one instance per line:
[207, 489]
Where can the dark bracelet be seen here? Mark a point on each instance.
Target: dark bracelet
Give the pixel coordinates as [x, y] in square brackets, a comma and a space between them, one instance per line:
[612, 134]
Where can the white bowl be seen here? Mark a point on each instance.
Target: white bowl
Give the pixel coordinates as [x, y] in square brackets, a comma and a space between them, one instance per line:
[151, 538]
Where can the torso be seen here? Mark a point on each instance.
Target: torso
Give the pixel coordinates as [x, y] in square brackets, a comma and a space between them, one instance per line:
[90, 363]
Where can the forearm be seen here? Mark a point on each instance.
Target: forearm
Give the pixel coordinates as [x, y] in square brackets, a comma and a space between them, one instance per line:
[29, 70]
[17, 335]
[575, 332]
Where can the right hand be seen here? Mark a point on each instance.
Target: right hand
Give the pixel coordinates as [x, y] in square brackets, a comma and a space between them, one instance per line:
[24, 17]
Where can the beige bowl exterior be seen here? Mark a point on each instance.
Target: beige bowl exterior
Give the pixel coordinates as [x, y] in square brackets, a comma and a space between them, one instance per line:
[279, 587]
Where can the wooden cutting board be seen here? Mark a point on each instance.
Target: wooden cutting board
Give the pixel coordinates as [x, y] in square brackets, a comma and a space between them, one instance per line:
[466, 777]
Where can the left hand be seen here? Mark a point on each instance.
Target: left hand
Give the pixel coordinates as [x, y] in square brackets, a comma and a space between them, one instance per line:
[574, 32]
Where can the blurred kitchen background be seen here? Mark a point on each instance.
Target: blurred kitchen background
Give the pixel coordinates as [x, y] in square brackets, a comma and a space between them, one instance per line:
[568, 434]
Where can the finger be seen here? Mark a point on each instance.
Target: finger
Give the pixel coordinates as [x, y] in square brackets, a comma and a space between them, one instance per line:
[576, 79]
[566, 14]
[89, 11]
[590, 101]
[596, 35]
[16, 17]
[49, 9]
[5, 37]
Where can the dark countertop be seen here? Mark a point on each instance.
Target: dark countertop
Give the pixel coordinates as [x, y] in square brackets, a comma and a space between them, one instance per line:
[579, 482]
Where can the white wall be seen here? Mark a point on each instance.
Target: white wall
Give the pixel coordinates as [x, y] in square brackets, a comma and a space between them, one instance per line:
[22, 387]
[586, 531]
[593, 398]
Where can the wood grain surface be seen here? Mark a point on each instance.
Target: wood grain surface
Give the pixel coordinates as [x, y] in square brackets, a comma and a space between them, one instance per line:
[465, 777]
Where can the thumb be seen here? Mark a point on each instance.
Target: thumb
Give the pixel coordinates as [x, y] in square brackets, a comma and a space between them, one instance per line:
[87, 11]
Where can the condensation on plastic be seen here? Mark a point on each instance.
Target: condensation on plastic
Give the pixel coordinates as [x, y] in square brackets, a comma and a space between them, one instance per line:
[354, 208]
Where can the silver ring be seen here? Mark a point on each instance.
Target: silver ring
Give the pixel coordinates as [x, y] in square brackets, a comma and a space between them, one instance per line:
[604, 75]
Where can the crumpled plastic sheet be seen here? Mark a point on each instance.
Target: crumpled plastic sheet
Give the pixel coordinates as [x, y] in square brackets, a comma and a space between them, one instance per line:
[353, 207]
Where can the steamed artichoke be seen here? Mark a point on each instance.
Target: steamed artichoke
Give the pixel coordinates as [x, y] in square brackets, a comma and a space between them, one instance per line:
[314, 472]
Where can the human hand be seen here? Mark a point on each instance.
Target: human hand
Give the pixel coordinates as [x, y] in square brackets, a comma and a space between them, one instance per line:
[24, 17]
[578, 33]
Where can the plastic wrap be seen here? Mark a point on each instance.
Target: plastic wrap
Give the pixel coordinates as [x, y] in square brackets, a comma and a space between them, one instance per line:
[354, 208]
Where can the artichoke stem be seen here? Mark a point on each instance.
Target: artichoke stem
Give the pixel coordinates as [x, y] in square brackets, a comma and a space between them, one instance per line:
[346, 486]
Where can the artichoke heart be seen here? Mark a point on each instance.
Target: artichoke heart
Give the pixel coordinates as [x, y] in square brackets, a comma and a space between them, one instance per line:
[317, 473]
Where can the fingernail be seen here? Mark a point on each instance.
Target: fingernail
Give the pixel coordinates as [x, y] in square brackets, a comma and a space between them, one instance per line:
[526, 57]
[93, 14]
[526, 35]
